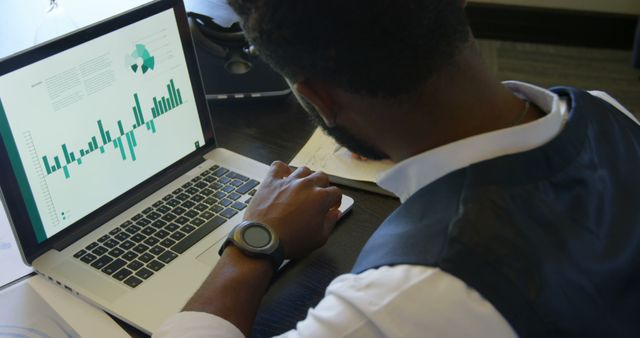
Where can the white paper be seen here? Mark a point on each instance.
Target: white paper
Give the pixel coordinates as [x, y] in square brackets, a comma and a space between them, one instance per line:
[37, 308]
[321, 154]
[23, 313]
[11, 261]
[86, 319]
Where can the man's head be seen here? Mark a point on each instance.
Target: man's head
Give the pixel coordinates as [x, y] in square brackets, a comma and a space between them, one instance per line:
[379, 49]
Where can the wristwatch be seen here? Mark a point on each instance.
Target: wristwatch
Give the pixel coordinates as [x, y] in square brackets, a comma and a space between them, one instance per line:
[255, 239]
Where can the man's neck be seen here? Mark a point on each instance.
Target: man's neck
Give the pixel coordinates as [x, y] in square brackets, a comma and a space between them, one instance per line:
[462, 101]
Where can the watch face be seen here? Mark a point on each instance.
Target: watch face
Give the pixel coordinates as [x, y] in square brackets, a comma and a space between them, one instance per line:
[256, 236]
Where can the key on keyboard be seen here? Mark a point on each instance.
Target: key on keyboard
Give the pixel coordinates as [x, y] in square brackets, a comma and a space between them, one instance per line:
[173, 224]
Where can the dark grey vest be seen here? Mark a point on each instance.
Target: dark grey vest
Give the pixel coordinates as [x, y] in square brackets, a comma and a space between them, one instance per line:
[551, 236]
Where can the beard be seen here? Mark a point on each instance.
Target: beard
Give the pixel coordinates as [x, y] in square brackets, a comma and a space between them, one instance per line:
[343, 136]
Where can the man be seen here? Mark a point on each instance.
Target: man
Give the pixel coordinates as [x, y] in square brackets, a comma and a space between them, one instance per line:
[520, 204]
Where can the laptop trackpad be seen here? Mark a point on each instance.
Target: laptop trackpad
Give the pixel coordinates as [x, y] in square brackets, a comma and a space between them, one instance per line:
[210, 256]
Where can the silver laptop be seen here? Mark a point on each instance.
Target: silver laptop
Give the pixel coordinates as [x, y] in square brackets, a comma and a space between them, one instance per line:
[110, 171]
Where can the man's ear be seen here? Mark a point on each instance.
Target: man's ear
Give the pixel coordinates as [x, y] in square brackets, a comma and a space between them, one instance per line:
[320, 97]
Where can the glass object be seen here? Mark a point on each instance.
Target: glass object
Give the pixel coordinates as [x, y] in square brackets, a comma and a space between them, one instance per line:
[56, 22]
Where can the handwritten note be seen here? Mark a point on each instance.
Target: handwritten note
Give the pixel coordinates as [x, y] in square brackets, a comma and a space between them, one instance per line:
[320, 154]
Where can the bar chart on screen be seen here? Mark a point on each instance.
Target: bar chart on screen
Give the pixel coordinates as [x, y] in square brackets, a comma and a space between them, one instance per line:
[135, 135]
[138, 135]
[123, 139]
[86, 125]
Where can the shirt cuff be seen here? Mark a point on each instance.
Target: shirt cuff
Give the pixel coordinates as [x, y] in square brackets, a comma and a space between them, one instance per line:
[189, 324]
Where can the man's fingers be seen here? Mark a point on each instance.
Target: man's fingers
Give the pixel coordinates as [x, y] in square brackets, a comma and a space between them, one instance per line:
[279, 170]
[319, 179]
[301, 172]
[358, 157]
[330, 220]
[333, 197]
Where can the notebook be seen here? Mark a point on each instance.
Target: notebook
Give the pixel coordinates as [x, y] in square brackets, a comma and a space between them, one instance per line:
[112, 180]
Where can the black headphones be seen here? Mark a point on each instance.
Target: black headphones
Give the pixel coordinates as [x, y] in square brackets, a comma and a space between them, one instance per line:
[227, 43]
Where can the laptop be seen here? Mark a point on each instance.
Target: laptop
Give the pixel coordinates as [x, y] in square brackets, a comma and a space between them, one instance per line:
[110, 172]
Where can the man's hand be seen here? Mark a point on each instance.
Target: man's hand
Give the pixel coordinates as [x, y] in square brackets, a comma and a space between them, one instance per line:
[303, 209]
[299, 205]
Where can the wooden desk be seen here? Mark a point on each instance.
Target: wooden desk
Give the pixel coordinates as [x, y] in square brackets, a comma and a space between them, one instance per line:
[631, 7]
[268, 131]
[576, 16]
[636, 47]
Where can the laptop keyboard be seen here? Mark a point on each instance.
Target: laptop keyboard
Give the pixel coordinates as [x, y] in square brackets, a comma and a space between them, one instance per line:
[143, 245]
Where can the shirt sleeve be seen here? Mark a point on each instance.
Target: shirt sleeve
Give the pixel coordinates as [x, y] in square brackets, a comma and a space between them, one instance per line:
[399, 301]
[195, 325]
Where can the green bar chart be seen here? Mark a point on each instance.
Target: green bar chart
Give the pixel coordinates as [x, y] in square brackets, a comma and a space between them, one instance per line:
[158, 106]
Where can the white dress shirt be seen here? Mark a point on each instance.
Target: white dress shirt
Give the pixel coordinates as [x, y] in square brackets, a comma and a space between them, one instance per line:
[407, 300]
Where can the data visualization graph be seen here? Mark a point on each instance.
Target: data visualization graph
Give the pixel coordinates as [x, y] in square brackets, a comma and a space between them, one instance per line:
[140, 53]
[53, 164]
[81, 129]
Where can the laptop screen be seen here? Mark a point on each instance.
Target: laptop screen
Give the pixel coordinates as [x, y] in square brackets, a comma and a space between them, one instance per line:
[86, 125]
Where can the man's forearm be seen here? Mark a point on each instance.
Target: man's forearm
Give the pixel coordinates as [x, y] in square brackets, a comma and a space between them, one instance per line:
[234, 289]
[302, 208]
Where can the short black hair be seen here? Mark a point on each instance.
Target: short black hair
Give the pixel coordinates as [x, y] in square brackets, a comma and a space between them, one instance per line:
[381, 48]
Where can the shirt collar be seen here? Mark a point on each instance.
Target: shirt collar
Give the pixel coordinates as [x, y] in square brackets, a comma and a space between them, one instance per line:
[414, 173]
